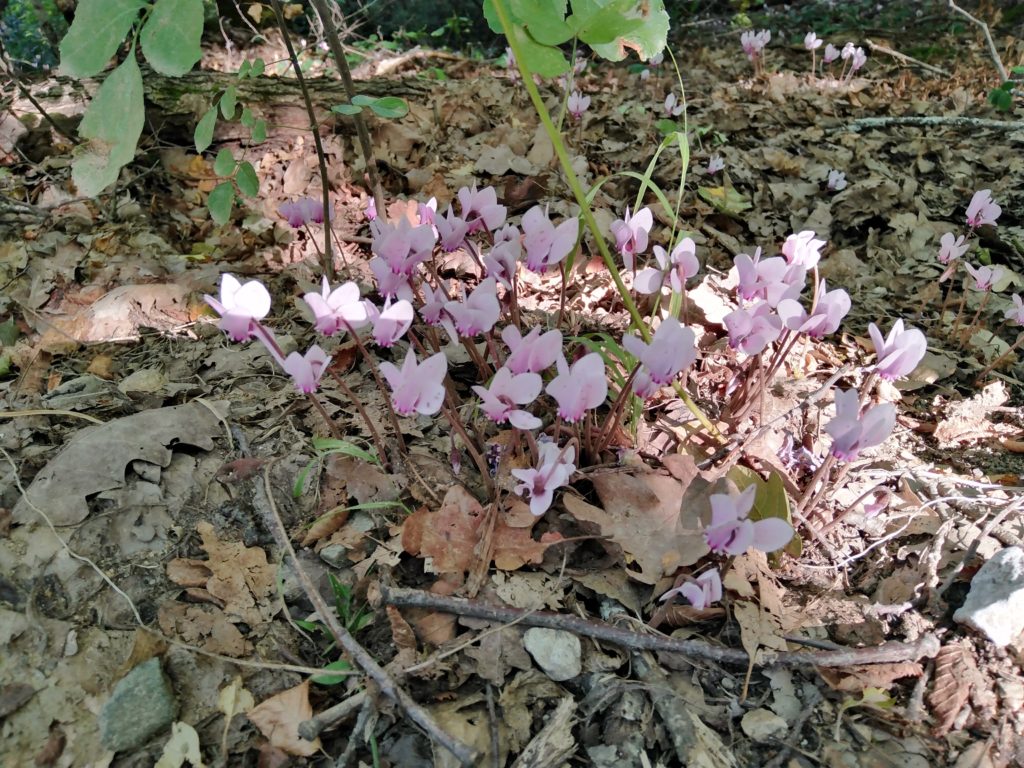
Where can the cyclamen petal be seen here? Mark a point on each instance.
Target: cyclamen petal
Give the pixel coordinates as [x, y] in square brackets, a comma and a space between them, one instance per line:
[671, 350]
[478, 313]
[851, 432]
[554, 468]
[417, 387]
[333, 309]
[731, 532]
[898, 353]
[302, 211]
[391, 323]
[532, 353]
[506, 391]
[982, 209]
[307, 369]
[579, 388]
[240, 306]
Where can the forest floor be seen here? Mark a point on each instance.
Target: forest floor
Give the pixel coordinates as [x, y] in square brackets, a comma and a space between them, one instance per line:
[155, 452]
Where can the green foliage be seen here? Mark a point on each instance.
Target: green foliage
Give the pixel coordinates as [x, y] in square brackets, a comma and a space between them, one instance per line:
[385, 106]
[1002, 97]
[170, 38]
[29, 31]
[96, 33]
[610, 27]
[220, 201]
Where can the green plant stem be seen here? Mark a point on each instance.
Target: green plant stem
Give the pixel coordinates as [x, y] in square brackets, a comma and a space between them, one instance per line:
[362, 132]
[314, 127]
[581, 199]
[374, 434]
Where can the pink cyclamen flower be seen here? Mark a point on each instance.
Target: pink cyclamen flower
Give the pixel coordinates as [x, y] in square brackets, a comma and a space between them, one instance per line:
[554, 469]
[503, 260]
[679, 267]
[390, 285]
[852, 432]
[985, 277]
[371, 210]
[579, 388]
[480, 208]
[506, 391]
[858, 59]
[307, 369]
[752, 329]
[427, 211]
[417, 387]
[836, 181]
[771, 280]
[812, 41]
[643, 385]
[828, 313]
[952, 247]
[754, 42]
[847, 51]
[434, 300]
[802, 249]
[547, 245]
[401, 245]
[672, 349]
[332, 310]
[1015, 314]
[451, 230]
[899, 352]
[302, 211]
[831, 54]
[577, 104]
[700, 592]
[715, 164]
[532, 353]
[982, 209]
[479, 312]
[731, 531]
[631, 234]
[390, 323]
[240, 307]
[672, 106]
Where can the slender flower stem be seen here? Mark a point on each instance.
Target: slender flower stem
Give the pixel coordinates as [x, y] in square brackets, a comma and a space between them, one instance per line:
[949, 289]
[995, 363]
[372, 364]
[615, 414]
[974, 321]
[820, 476]
[374, 434]
[452, 414]
[331, 426]
[959, 316]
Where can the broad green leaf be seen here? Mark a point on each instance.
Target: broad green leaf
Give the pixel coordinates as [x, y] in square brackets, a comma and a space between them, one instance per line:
[243, 69]
[390, 106]
[170, 37]
[247, 180]
[204, 130]
[259, 131]
[543, 19]
[491, 17]
[346, 109]
[99, 28]
[258, 68]
[228, 102]
[341, 666]
[5, 365]
[224, 165]
[247, 118]
[362, 100]
[8, 332]
[111, 126]
[596, 24]
[220, 201]
[725, 200]
[540, 59]
[647, 38]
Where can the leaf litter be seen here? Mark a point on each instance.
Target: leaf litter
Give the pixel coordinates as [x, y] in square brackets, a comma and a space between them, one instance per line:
[642, 527]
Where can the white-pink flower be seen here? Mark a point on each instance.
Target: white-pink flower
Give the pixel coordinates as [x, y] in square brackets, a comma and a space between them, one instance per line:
[390, 323]
[802, 249]
[700, 592]
[952, 247]
[752, 329]
[731, 532]
[828, 313]
[451, 230]
[579, 388]
[679, 267]
[502, 261]
[631, 234]
[982, 209]
[715, 164]
[671, 350]
[1015, 314]
[479, 312]
[240, 306]
[506, 391]
[812, 41]
[851, 432]
[831, 54]
[332, 310]
[480, 208]
[554, 468]
[985, 277]
[577, 104]
[302, 211]
[899, 352]
[307, 369]
[836, 181]
[547, 245]
[672, 106]
[532, 353]
[417, 387]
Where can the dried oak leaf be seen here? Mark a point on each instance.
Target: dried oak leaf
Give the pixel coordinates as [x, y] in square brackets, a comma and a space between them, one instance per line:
[241, 578]
[955, 671]
[278, 719]
[864, 676]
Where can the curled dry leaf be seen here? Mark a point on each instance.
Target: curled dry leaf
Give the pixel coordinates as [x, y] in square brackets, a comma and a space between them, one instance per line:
[864, 676]
[952, 687]
[278, 719]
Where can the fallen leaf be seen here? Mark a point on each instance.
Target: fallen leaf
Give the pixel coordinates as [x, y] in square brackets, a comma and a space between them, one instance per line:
[954, 666]
[278, 719]
[865, 676]
[182, 747]
[241, 578]
[234, 699]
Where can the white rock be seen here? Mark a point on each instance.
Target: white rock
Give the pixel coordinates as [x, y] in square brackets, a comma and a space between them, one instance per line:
[995, 604]
[763, 725]
[556, 651]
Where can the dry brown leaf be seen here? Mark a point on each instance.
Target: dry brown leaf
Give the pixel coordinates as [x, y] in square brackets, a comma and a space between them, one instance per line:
[952, 686]
[242, 578]
[188, 572]
[646, 522]
[969, 419]
[864, 676]
[278, 719]
[202, 625]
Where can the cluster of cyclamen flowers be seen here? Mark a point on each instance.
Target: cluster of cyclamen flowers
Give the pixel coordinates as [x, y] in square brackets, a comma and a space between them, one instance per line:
[852, 56]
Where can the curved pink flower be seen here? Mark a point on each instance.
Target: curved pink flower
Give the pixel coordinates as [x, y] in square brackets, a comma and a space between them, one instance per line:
[752, 329]
[899, 352]
[731, 532]
[302, 211]
[985, 277]
[480, 208]
[579, 388]
[1015, 314]
[307, 369]
[851, 432]
[240, 306]
[417, 387]
[554, 468]
[479, 312]
[506, 391]
[401, 245]
[952, 247]
[982, 209]
[532, 353]
[672, 349]
[700, 592]
[333, 309]
[631, 234]
[678, 267]
[828, 313]
[451, 230]
[547, 245]
[390, 323]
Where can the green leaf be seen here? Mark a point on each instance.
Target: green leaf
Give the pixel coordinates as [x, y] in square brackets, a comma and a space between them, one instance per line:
[258, 67]
[204, 130]
[8, 332]
[647, 38]
[596, 24]
[170, 37]
[325, 445]
[112, 126]
[244, 69]
[224, 165]
[341, 666]
[220, 202]
[247, 180]
[543, 19]
[390, 106]
[362, 100]
[96, 33]
[346, 109]
[259, 131]
[491, 17]
[770, 501]
[1000, 99]
[247, 118]
[543, 60]
[228, 102]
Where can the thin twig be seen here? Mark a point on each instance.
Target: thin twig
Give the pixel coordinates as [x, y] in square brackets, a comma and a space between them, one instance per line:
[928, 645]
[904, 58]
[264, 498]
[928, 121]
[993, 52]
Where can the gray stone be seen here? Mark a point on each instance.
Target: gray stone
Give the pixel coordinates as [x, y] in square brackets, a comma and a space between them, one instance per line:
[335, 555]
[555, 651]
[141, 705]
[995, 604]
